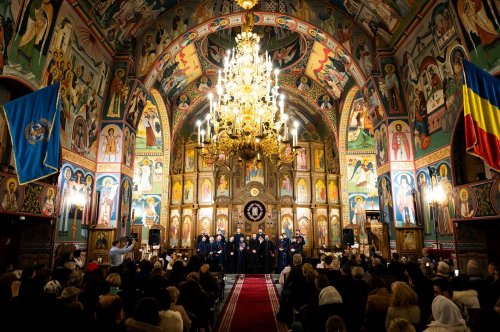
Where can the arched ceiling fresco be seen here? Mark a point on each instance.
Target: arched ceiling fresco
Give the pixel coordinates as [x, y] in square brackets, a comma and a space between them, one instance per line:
[324, 48]
[119, 22]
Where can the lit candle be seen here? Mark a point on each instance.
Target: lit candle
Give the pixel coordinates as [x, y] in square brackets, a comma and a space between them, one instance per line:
[208, 128]
[198, 123]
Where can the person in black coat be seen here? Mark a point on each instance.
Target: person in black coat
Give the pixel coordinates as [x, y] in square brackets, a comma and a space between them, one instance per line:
[282, 252]
[266, 251]
[254, 253]
[242, 254]
[231, 255]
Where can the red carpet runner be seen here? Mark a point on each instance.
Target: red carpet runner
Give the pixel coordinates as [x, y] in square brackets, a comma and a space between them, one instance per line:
[252, 306]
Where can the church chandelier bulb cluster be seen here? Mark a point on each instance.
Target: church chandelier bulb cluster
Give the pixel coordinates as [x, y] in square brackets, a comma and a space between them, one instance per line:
[247, 114]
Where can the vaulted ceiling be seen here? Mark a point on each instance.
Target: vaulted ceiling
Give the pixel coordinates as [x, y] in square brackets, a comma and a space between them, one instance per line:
[321, 47]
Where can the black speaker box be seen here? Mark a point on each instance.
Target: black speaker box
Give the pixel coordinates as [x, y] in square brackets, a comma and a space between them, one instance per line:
[154, 237]
[348, 236]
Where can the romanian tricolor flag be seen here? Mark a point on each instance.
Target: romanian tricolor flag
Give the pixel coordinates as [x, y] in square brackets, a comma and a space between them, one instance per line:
[482, 114]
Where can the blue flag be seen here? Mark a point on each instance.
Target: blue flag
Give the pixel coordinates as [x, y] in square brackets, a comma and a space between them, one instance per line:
[34, 125]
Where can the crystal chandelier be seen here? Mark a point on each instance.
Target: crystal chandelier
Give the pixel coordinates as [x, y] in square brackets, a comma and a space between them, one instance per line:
[247, 117]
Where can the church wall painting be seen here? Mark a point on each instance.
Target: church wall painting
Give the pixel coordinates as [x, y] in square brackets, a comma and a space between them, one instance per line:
[108, 188]
[149, 130]
[333, 191]
[190, 161]
[117, 93]
[121, 22]
[30, 43]
[74, 220]
[373, 102]
[440, 215]
[362, 175]
[390, 88]
[320, 191]
[303, 223]
[360, 127]
[151, 211]
[287, 225]
[186, 66]
[188, 191]
[110, 144]
[81, 64]
[176, 192]
[128, 149]
[319, 160]
[143, 174]
[400, 141]
[125, 204]
[223, 185]
[302, 159]
[479, 24]
[322, 231]
[206, 191]
[11, 195]
[335, 227]
[254, 171]
[221, 223]
[302, 191]
[174, 232]
[9, 12]
[386, 203]
[431, 72]
[135, 102]
[286, 188]
[403, 186]
[187, 231]
[465, 202]
[358, 204]
[381, 145]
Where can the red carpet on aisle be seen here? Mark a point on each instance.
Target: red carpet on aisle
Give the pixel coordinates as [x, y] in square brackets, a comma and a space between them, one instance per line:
[251, 306]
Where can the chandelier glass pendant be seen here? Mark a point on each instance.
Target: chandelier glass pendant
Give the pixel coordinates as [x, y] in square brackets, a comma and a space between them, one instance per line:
[247, 117]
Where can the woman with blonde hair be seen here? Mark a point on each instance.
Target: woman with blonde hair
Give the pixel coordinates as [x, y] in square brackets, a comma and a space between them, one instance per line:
[404, 304]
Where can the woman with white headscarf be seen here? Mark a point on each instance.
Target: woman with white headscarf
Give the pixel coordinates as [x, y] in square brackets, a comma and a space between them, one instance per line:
[447, 317]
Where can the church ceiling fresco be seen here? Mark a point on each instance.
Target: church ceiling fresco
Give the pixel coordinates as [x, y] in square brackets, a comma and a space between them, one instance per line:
[120, 22]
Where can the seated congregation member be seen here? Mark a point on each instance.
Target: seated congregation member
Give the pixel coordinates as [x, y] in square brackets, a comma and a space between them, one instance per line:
[377, 304]
[401, 325]
[446, 317]
[231, 255]
[404, 304]
[174, 295]
[444, 287]
[335, 324]
[110, 314]
[354, 296]
[294, 294]
[327, 303]
[170, 320]
[177, 275]
[194, 299]
[145, 317]
[209, 284]
[242, 254]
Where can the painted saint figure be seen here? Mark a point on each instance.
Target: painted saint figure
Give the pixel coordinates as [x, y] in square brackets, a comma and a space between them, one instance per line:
[400, 144]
